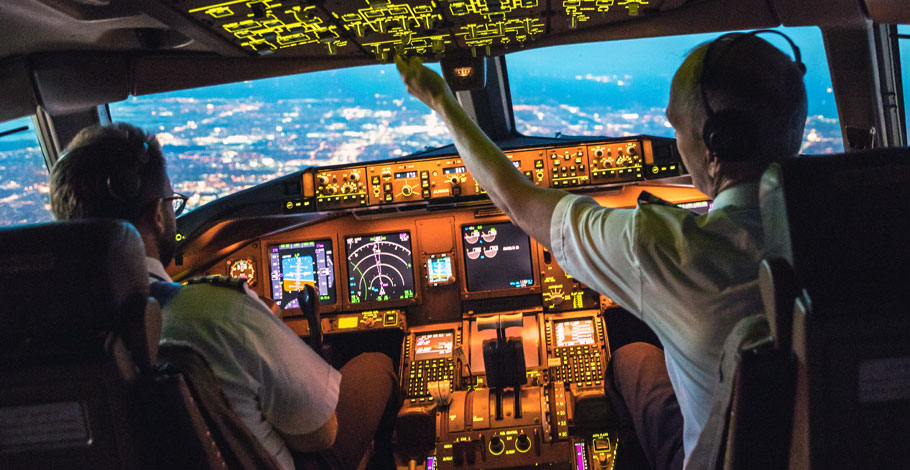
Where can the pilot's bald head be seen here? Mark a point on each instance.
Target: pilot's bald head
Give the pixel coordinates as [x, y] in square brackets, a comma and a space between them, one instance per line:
[746, 74]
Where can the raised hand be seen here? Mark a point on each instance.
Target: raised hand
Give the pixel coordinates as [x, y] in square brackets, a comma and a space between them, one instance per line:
[425, 84]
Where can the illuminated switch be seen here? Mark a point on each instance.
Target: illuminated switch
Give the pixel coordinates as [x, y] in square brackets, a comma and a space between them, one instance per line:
[374, 180]
[426, 193]
[388, 197]
[538, 163]
[387, 187]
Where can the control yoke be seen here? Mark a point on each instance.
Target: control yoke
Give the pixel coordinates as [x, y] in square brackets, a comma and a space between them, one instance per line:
[504, 358]
[308, 299]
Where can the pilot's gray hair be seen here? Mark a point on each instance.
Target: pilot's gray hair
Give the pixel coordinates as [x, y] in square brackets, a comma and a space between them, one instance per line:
[754, 78]
[112, 171]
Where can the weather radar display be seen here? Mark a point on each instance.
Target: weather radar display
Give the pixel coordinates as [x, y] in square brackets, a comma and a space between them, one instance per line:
[380, 267]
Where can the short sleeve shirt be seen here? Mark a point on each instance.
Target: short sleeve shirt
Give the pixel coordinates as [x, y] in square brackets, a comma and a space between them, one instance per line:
[275, 381]
[689, 277]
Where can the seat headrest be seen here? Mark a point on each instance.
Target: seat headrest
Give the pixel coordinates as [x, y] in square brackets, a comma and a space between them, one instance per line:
[66, 283]
[841, 221]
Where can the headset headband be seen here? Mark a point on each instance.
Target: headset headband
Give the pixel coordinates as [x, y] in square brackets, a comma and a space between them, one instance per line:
[736, 37]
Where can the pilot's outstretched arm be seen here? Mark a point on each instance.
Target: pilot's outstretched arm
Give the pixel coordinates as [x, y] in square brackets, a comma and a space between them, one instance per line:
[528, 205]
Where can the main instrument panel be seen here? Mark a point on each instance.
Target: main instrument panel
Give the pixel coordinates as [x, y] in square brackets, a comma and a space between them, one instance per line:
[498, 343]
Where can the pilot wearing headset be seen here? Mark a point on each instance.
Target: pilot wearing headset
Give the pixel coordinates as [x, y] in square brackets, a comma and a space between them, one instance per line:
[305, 413]
[737, 104]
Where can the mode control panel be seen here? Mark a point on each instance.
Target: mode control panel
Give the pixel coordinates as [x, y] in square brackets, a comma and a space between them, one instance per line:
[569, 167]
[572, 165]
[341, 188]
[616, 162]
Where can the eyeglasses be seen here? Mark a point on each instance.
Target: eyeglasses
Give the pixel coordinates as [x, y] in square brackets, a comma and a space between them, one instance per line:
[178, 202]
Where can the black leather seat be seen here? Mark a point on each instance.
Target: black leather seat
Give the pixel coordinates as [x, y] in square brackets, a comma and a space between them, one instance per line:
[822, 379]
[81, 387]
[838, 227]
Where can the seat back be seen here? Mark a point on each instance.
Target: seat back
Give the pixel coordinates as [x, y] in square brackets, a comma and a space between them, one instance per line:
[76, 330]
[78, 350]
[840, 225]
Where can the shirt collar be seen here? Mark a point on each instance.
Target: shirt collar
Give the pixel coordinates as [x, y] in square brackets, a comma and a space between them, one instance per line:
[741, 195]
[156, 269]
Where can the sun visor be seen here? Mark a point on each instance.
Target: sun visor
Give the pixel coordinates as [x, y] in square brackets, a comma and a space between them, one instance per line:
[72, 82]
[18, 98]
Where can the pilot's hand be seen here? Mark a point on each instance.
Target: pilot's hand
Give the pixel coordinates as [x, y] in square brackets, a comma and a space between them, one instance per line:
[423, 83]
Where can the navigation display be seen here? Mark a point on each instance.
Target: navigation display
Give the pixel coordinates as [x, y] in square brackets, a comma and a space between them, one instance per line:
[380, 267]
[496, 256]
[530, 342]
[574, 333]
[293, 265]
[433, 345]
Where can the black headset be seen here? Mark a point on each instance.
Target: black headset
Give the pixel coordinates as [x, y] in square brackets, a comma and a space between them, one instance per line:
[729, 134]
[123, 182]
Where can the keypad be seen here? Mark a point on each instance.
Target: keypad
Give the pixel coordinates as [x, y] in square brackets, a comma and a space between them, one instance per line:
[581, 365]
[429, 370]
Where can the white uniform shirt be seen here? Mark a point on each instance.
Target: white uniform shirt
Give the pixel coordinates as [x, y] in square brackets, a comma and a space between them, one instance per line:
[690, 278]
[273, 379]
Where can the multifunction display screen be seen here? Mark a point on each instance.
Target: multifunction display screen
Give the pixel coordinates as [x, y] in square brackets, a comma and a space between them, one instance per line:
[575, 333]
[433, 345]
[496, 256]
[294, 265]
[380, 267]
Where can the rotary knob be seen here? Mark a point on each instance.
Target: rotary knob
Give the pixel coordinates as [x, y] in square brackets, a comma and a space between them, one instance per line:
[323, 180]
[406, 191]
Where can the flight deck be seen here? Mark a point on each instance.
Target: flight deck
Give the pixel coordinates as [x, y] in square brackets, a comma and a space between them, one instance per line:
[495, 342]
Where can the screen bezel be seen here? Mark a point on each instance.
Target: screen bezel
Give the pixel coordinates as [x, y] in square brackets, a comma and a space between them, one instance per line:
[365, 305]
[506, 292]
[268, 262]
[589, 320]
[451, 353]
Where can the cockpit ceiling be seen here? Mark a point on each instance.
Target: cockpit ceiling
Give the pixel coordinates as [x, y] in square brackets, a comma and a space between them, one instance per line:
[383, 28]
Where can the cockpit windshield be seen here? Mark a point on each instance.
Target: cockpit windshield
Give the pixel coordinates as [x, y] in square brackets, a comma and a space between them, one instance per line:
[222, 139]
[219, 140]
[621, 88]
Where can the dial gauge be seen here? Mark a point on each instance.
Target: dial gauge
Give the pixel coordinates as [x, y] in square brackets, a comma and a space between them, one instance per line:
[243, 268]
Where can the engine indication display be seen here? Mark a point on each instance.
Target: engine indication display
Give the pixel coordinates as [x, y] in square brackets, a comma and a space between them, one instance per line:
[294, 265]
[497, 256]
[380, 267]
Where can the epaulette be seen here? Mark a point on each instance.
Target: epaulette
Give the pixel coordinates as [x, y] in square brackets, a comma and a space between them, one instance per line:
[219, 281]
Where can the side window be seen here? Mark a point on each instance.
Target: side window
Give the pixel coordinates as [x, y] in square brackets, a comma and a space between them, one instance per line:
[903, 34]
[23, 175]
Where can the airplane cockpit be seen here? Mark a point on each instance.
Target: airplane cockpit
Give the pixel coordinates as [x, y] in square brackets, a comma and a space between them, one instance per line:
[501, 354]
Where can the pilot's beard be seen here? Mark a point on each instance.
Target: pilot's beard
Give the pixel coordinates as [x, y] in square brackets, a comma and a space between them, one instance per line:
[167, 247]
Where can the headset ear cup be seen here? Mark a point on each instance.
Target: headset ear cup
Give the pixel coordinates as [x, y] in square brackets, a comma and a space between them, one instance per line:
[730, 135]
[124, 186]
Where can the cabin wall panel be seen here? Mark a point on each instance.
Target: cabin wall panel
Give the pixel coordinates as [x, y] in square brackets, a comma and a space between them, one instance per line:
[18, 97]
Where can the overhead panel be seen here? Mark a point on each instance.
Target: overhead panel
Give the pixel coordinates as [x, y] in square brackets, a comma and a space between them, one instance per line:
[383, 28]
